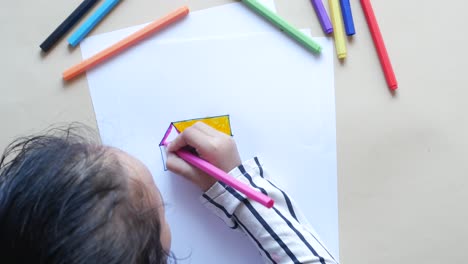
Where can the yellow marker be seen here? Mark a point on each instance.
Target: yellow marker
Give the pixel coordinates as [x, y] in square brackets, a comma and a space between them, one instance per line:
[338, 28]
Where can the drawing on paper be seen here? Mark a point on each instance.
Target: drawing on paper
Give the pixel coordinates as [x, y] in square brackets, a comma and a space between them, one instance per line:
[220, 123]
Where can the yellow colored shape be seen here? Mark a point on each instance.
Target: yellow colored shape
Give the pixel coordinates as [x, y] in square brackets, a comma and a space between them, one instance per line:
[220, 123]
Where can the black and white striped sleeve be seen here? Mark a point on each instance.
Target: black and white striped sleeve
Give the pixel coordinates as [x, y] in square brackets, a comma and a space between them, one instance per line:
[281, 233]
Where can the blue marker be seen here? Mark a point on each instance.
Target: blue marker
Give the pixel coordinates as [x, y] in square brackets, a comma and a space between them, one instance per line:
[347, 17]
[89, 24]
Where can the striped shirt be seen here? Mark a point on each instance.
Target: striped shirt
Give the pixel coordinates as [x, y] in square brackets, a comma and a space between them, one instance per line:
[281, 234]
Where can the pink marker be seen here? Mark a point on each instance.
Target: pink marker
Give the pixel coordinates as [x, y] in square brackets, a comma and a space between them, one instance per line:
[222, 176]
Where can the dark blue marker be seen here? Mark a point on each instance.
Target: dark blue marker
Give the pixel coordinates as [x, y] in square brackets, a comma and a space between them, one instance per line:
[66, 25]
[347, 17]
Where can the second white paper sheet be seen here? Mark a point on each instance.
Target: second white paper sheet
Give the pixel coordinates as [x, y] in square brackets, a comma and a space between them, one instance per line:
[280, 99]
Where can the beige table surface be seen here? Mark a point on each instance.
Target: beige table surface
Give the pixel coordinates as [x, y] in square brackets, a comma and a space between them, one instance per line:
[402, 160]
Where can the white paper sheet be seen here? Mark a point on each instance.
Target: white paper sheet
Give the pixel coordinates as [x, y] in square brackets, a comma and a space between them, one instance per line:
[280, 99]
[225, 20]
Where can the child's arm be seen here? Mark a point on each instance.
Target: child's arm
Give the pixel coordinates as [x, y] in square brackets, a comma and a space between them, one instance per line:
[281, 234]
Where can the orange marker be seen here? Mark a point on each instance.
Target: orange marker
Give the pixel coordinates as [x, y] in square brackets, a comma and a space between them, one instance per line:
[127, 42]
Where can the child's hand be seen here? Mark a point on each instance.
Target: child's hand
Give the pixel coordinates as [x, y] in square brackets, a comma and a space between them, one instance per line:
[211, 145]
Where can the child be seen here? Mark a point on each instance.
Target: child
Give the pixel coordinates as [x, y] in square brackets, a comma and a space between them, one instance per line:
[67, 199]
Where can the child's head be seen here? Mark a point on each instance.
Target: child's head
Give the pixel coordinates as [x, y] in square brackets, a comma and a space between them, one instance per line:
[66, 199]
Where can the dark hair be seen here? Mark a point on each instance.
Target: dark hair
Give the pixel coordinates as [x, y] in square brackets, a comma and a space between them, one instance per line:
[67, 199]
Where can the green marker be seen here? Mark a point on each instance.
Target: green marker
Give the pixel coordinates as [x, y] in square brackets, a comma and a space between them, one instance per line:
[300, 37]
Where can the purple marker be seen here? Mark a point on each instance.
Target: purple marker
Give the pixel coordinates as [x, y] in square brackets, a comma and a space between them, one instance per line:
[323, 16]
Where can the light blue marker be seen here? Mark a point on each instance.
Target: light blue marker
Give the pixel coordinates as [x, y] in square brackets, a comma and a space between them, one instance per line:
[92, 21]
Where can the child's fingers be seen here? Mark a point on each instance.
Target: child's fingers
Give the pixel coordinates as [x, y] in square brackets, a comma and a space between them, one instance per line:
[208, 130]
[179, 166]
[191, 136]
